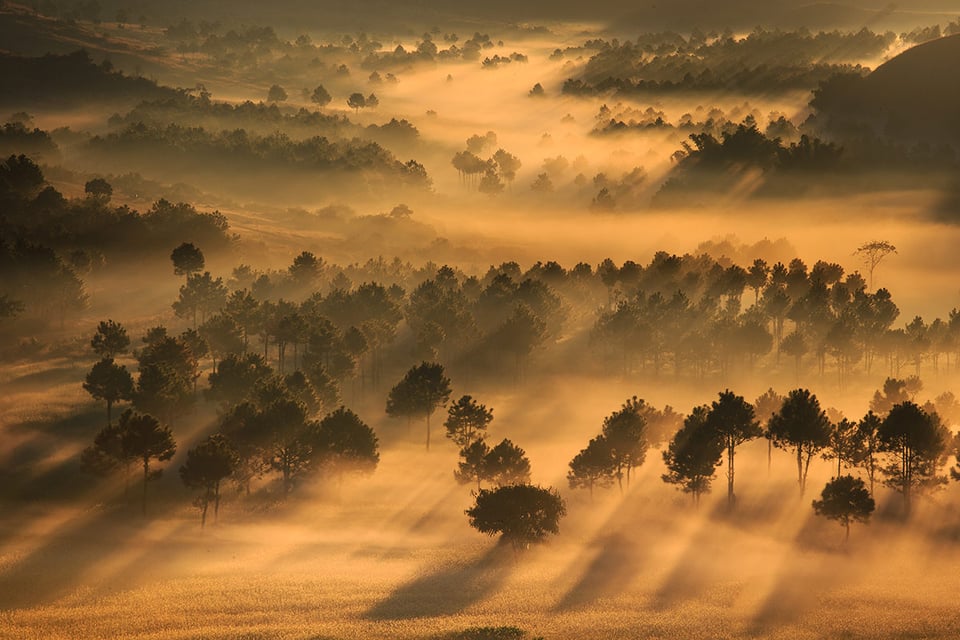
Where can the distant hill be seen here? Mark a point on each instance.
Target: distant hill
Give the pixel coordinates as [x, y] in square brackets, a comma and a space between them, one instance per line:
[69, 80]
[914, 97]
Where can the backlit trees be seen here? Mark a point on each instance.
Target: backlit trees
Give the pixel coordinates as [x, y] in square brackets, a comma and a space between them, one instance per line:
[521, 513]
[421, 391]
[845, 499]
[732, 419]
[802, 427]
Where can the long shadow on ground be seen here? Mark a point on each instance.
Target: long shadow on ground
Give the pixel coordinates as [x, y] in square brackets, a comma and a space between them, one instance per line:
[447, 590]
[617, 563]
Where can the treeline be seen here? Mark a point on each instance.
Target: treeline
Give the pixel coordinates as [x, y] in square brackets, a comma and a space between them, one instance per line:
[196, 150]
[763, 60]
[50, 242]
[899, 442]
[70, 80]
[200, 111]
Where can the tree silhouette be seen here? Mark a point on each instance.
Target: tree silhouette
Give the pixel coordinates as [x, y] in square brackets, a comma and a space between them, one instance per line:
[356, 101]
[108, 454]
[144, 439]
[187, 259]
[109, 382]
[467, 421]
[521, 513]
[693, 455]
[800, 426]
[236, 377]
[507, 464]
[872, 253]
[201, 294]
[276, 93]
[165, 383]
[473, 463]
[845, 444]
[845, 499]
[732, 419]
[99, 189]
[207, 465]
[345, 443]
[320, 96]
[625, 431]
[421, 391]
[764, 407]
[593, 466]
[110, 340]
[917, 444]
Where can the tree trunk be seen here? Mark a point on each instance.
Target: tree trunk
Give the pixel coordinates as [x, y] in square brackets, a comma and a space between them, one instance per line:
[428, 431]
[216, 501]
[146, 474]
[730, 497]
[800, 468]
[109, 416]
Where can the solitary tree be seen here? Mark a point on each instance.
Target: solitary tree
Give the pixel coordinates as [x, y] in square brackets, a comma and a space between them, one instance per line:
[467, 420]
[144, 438]
[868, 429]
[917, 444]
[845, 499]
[276, 93]
[109, 382]
[207, 465]
[110, 340]
[187, 259]
[423, 389]
[98, 189]
[802, 427]
[872, 253]
[593, 466]
[732, 419]
[356, 101]
[521, 513]
[693, 455]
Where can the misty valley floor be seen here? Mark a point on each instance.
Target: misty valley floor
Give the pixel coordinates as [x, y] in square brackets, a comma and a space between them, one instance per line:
[640, 567]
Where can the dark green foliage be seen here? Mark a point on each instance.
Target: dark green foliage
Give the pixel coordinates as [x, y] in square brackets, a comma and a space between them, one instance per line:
[207, 465]
[521, 513]
[846, 500]
[693, 455]
[109, 382]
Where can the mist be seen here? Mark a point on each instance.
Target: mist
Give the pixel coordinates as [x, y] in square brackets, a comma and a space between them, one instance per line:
[500, 322]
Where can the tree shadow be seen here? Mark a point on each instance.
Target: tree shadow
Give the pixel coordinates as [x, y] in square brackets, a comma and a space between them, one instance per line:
[61, 563]
[448, 590]
[617, 563]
